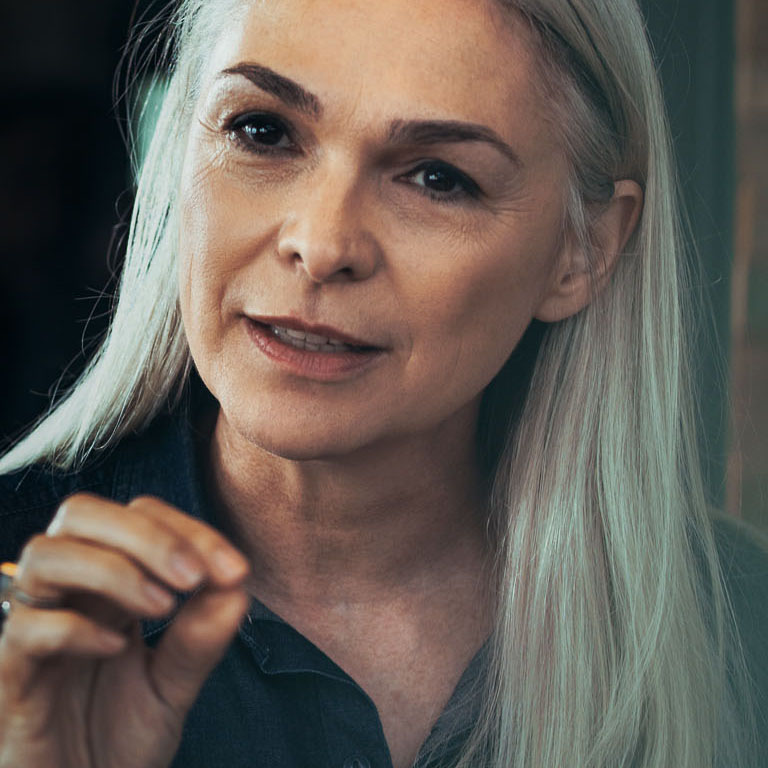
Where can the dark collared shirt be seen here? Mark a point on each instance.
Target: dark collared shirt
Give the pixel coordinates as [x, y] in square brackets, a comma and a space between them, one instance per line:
[275, 699]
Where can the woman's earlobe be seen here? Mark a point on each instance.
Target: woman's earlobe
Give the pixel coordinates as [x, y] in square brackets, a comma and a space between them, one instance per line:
[575, 282]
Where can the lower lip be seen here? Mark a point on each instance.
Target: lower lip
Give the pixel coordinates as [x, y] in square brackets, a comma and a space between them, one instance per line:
[322, 366]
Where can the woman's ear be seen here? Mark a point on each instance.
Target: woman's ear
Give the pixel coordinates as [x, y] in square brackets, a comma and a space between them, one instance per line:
[572, 285]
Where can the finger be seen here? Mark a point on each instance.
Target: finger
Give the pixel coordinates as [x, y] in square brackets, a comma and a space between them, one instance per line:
[159, 537]
[225, 564]
[30, 635]
[194, 643]
[54, 568]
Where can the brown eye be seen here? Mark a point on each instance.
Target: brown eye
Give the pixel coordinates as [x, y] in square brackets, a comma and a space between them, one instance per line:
[443, 182]
[262, 130]
[438, 179]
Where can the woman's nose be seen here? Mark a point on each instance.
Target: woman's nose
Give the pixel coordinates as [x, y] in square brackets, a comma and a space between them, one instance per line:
[325, 233]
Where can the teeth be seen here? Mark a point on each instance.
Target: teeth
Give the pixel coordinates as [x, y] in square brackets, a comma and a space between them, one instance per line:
[312, 342]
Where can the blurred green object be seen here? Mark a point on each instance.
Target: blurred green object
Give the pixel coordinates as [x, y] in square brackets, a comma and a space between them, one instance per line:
[146, 110]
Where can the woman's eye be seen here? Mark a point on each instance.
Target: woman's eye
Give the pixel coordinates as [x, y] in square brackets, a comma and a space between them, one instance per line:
[262, 131]
[443, 182]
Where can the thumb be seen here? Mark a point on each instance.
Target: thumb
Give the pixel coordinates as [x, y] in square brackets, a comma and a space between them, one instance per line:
[194, 643]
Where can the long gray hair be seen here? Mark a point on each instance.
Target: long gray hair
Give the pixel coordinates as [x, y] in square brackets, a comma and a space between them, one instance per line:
[613, 638]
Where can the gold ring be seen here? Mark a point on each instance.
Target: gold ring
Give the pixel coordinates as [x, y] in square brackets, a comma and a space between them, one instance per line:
[7, 572]
[9, 591]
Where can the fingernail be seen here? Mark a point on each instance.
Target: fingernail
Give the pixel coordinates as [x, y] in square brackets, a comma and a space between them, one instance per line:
[186, 569]
[111, 641]
[157, 595]
[229, 564]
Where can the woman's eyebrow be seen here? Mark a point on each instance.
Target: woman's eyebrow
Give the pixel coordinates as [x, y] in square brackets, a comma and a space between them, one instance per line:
[448, 131]
[400, 131]
[283, 88]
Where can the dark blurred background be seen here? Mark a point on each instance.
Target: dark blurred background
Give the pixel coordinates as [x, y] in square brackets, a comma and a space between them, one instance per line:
[65, 188]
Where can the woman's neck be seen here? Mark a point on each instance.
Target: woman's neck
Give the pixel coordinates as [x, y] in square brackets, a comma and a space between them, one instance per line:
[388, 521]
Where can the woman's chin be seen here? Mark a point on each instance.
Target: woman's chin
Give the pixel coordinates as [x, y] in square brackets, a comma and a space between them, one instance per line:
[300, 440]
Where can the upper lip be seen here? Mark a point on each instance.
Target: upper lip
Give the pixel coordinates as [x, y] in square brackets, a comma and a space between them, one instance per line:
[296, 324]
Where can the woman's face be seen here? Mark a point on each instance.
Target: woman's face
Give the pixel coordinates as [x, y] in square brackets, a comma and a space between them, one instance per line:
[378, 172]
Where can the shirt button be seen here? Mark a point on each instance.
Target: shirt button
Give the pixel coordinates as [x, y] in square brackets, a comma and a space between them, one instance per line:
[358, 761]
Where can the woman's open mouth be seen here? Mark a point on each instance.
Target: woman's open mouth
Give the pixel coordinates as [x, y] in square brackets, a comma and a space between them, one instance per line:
[314, 342]
[311, 354]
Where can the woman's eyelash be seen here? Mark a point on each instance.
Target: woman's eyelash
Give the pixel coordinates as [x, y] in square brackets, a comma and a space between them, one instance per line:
[261, 132]
[448, 184]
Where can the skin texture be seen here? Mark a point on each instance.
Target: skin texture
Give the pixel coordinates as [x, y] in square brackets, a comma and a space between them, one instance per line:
[335, 232]
[357, 501]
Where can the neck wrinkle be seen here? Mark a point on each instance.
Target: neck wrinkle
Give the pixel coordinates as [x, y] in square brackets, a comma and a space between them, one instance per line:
[385, 525]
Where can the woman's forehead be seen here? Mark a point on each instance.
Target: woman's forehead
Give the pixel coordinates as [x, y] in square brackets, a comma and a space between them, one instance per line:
[442, 59]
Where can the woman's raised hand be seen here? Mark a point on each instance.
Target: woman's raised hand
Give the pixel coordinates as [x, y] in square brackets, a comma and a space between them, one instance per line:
[78, 686]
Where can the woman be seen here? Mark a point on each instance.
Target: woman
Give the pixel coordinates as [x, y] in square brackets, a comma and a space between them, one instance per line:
[435, 495]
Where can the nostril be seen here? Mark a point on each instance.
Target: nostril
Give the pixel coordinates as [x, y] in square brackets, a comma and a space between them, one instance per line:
[326, 257]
